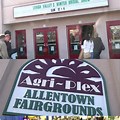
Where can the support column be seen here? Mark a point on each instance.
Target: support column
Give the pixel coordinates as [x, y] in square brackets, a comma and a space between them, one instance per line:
[1, 17]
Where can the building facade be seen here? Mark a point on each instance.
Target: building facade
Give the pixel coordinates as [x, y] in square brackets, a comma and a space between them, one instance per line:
[55, 29]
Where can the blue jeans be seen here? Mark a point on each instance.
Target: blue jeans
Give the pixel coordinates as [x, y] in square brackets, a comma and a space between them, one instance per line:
[91, 55]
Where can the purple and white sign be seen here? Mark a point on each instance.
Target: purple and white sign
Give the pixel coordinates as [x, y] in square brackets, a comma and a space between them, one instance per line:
[59, 87]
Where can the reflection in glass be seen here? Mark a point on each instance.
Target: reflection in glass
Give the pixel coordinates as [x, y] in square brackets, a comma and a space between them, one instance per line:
[74, 40]
[115, 39]
[51, 36]
[21, 42]
[40, 42]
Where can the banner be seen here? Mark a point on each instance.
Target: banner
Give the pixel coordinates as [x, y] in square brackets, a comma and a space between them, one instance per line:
[57, 6]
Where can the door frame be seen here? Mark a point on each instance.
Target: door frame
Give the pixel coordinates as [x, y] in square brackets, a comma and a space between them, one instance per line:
[25, 47]
[80, 37]
[47, 55]
[73, 56]
[108, 24]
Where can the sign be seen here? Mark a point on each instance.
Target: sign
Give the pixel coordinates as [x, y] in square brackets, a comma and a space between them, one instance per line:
[57, 6]
[58, 87]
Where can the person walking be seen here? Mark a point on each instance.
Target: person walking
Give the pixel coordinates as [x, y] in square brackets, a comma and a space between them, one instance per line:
[98, 46]
[8, 44]
[3, 48]
[87, 48]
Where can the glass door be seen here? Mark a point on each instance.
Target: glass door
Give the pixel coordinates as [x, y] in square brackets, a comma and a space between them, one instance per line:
[113, 30]
[74, 35]
[40, 45]
[46, 43]
[21, 44]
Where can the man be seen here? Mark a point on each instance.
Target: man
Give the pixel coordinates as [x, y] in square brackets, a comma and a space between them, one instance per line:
[98, 46]
[3, 48]
[8, 44]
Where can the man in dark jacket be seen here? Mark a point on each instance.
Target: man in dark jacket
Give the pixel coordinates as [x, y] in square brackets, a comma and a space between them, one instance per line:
[98, 46]
[8, 44]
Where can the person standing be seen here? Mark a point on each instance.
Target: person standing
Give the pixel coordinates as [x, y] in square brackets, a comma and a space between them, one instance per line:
[3, 48]
[87, 48]
[8, 44]
[98, 46]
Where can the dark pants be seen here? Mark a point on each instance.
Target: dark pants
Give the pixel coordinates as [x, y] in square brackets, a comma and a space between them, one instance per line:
[96, 55]
[0, 57]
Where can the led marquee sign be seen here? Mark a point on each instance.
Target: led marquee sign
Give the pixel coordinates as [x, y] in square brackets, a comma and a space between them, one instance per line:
[58, 87]
[57, 6]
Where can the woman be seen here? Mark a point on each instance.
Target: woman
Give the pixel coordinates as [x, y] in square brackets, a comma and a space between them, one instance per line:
[87, 48]
[3, 48]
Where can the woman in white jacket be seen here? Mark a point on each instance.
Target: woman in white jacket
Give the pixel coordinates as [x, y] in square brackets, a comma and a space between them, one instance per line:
[87, 48]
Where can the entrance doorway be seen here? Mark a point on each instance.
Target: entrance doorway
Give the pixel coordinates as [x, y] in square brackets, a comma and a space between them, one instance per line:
[46, 43]
[113, 31]
[76, 34]
[21, 44]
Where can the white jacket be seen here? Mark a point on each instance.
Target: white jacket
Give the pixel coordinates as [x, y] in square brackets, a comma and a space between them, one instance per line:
[88, 46]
